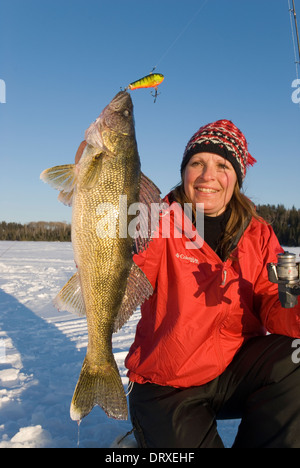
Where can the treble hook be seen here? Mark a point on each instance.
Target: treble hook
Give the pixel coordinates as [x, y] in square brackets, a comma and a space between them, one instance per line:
[155, 94]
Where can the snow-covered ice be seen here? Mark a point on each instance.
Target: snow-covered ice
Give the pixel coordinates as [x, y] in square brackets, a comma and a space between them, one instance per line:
[41, 353]
[42, 350]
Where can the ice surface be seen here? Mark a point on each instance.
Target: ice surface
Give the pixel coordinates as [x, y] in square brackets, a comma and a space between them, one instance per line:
[41, 352]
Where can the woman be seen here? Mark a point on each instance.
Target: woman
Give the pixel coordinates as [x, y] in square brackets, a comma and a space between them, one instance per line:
[201, 351]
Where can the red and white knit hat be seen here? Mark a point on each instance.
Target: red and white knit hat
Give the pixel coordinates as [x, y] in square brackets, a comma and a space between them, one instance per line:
[223, 138]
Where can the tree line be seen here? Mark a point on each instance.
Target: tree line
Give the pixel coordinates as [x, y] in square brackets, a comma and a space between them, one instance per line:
[36, 231]
[285, 222]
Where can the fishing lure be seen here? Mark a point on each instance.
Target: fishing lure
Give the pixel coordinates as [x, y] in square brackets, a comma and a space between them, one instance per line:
[150, 81]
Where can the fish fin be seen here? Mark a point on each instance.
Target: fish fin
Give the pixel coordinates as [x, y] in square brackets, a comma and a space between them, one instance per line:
[138, 289]
[149, 192]
[149, 218]
[66, 197]
[99, 385]
[93, 135]
[62, 178]
[70, 298]
[92, 172]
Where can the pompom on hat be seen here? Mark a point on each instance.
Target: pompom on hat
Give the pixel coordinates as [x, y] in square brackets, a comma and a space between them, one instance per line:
[225, 139]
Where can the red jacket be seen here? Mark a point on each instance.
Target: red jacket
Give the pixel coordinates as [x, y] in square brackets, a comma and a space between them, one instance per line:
[204, 309]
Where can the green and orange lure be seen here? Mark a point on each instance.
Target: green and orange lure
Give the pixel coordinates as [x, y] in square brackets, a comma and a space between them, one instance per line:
[153, 80]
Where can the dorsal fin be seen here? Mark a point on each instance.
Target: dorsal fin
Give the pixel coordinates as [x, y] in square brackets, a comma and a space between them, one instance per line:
[149, 218]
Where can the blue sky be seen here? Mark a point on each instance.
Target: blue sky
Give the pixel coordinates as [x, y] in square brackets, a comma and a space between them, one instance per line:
[64, 60]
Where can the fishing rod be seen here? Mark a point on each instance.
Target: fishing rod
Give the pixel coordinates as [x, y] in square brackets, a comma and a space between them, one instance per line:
[293, 11]
[296, 26]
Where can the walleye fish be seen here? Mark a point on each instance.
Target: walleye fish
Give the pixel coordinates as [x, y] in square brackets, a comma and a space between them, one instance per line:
[107, 286]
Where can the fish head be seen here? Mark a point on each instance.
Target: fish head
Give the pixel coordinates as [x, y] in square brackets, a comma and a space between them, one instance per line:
[114, 125]
[118, 115]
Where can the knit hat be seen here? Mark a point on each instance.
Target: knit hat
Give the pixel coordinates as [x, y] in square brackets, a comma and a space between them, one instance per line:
[225, 139]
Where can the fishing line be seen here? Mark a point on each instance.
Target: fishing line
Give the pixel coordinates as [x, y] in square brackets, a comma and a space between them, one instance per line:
[78, 434]
[180, 35]
[8, 248]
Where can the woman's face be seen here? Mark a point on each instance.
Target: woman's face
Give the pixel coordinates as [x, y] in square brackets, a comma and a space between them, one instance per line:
[209, 179]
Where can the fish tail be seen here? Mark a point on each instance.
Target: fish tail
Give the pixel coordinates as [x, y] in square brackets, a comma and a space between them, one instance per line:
[99, 385]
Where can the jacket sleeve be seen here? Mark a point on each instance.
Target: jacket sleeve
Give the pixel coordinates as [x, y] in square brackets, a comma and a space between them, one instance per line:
[275, 318]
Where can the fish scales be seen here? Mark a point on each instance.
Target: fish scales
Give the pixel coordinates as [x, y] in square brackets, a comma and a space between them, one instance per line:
[107, 286]
[102, 289]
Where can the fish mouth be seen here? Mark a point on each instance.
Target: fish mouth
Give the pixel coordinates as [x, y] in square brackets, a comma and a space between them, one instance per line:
[118, 115]
[121, 101]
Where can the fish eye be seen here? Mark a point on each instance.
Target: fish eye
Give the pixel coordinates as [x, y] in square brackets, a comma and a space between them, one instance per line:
[126, 113]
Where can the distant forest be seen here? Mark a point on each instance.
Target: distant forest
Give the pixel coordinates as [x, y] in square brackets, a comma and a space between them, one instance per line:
[285, 222]
[36, 231]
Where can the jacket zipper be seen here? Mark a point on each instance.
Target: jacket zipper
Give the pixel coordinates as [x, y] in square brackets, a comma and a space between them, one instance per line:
[224, 277]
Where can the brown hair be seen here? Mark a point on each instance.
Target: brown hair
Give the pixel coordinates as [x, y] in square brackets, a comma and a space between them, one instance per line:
[242, 210]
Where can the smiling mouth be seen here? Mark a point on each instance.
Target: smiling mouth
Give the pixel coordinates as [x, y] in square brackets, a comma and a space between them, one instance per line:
[206, 190]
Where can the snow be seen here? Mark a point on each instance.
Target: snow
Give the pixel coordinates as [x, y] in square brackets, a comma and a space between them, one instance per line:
[41, 353]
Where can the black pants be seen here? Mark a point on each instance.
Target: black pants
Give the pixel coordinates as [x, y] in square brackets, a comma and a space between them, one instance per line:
[261, 386]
